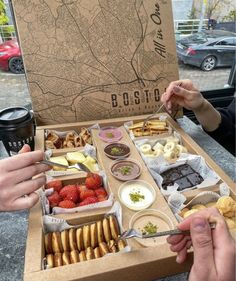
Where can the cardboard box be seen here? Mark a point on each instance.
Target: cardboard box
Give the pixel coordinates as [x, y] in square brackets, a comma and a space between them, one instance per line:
[87, 60]
[139, 264]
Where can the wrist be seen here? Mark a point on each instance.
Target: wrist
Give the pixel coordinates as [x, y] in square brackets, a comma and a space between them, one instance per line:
[203, 106]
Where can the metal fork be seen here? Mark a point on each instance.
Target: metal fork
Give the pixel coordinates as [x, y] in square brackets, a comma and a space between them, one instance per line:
[78, 166]
[130, 233]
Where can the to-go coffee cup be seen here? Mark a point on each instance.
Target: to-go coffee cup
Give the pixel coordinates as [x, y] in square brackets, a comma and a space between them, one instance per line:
[17, 127]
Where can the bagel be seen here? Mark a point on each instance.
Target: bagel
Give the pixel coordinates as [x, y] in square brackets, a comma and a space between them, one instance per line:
[66, 258]
[180, 149]
[86, 236]
[72, 239]
[50, 261]
[93, 235]
[146, 148]
[79, 239]
[48, 243]
[65, 240]
[100, 232]
[158, 152]
[121, 244]
[58, 259]
[103, 248]
[170, 146]
[74, 256]
[56, 242]
[112, 246]
[114, 227]
[97, 253]
[106, 229]
[169, 155]
[82, 256]
[89, 253]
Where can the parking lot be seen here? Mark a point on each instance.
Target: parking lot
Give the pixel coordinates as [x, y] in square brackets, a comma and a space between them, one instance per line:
[14, 91]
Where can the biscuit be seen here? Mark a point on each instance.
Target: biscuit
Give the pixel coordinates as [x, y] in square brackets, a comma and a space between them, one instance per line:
[106, 229]
[66, 258]
[56, 242]
[82, 256]
[72, 239]
[58, 259]
[114, 227]
[74, 256]
[65, 240]
[86, 236]
[48, 243]
[79, 239]
[50, 261]
[89, 253]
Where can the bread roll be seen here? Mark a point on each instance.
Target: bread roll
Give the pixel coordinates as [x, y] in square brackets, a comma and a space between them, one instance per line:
[56, 242]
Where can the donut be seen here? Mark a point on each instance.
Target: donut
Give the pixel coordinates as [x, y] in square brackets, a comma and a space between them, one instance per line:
[56, 242]
[100, 232]
[114, 227]
[66, 258]
[79, 239]
[82, 256]
[97, 253]
[50, 261]
[74, 256]
[170, 146]
[89, 253]
[93, 235]
[72, 239]
[146, 148]
[112, 246]
[121, 244]
[106, 229]
[65, 240]
[58, 259]
[103, 248]
[86, 236]
[48, 243]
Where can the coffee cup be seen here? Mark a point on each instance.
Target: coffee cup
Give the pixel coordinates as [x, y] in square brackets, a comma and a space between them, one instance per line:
[17, 127]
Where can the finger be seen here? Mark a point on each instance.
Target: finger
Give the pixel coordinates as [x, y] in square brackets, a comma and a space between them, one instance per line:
[175, 239]
[182, 244]
[29, 186]
[25, 202]
[202, 243]
[24, 149]
[182, 255]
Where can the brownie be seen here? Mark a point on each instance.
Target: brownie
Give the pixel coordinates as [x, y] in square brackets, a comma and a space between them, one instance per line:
[195, 178]
[183, 183]
[185, 169]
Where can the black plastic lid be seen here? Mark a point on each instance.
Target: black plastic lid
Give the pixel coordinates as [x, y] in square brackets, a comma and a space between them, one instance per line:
[13, 115]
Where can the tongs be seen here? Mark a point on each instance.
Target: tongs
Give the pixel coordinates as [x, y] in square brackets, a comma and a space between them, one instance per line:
[78, 166]
[130, 233]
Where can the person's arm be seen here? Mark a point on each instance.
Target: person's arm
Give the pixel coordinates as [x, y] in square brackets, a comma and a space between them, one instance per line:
[17, 185]
[214, 250]
[183, 93]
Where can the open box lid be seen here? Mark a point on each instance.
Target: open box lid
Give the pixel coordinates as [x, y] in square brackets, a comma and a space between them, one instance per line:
[88, 60]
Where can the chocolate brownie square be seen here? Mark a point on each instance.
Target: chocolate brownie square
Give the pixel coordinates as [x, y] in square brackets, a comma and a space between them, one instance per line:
[195, 178]
[185, 169]
[183, 183]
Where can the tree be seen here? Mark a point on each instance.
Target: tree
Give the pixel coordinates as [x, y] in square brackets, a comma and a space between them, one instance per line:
[215, 5]
[231, 16]
[3, 18]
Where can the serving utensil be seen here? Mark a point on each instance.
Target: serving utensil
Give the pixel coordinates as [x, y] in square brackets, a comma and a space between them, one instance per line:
[130, 233]
[78, 166]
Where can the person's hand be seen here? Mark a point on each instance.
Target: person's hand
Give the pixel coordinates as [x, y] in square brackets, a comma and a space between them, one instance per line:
[182, 93]
[17, 188]
[214, 250]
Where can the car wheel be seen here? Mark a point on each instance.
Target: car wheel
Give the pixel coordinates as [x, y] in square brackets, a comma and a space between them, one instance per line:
[208, 63]
[16, 65]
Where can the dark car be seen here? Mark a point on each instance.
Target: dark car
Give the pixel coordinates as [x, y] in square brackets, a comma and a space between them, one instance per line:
[208, 49]
[10, 57]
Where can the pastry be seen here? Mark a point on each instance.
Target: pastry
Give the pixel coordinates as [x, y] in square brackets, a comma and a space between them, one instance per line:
[170, 146]
[210, 204]
[74, 256]
[180, 149]
[50, 261]
[121, 244]
[189, 213]
[97, 253]
[100, 232]
[65, 240]
[169, 155]
[53, 140]
[79, 239]
[198, 207]
[106, 229]
[65, 258]
[93, 235]
[56, 242]
[58, 259]
[48, 243]
[82, 256]
[146, 148]
[183, 211]
[103, 248]
[72, 239]
[89, 253]
[112, 246]
[86, 236]
[230, 223]
[114, 227]
[227, 205]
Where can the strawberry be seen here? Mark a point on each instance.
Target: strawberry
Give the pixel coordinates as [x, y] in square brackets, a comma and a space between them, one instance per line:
[101, 198]
[93, 181]
[86, 193]
[101, 191]
[81, 187]
[67, 204]
[55, 184]
[88, 200]
[54, 199]
[70, 192]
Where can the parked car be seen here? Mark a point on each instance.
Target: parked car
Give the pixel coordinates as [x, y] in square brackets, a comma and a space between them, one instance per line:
[10, 57]
[208, 49]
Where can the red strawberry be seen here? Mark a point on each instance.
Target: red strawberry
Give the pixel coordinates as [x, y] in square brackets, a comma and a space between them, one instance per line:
[101, 191]
[56, 184]
[81, 187]
[88, 200]
[70, 192]
[93, 181]
[101, 198]
[54, 199]
[86, 193]
[67, 204]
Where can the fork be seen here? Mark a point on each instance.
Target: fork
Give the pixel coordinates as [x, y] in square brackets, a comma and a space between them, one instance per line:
[78, 166]
[130, 233]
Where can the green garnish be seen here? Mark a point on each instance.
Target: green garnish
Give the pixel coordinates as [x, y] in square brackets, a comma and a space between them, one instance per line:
[125, 170]
[116, 150]
[136, 197]
[110, 135]
[149, 228]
